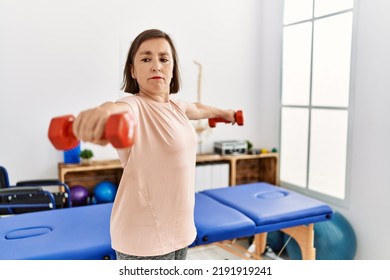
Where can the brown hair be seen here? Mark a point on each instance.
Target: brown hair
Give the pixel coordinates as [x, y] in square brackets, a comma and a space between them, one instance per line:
[129, 84]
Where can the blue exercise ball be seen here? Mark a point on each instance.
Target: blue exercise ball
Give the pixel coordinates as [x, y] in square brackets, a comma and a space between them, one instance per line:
[104, 192]
[79, 195]
[334, 239]
[275, 239]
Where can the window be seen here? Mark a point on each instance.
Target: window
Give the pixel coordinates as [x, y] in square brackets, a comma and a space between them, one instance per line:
[317, 41]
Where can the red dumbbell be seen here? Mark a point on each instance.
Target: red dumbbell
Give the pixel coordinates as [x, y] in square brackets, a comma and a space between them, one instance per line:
[119, 131]
[239, 117]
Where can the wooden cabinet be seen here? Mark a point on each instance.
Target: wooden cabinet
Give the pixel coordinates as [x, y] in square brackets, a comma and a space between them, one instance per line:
[88, 175]
[243, 169]
[247, 168]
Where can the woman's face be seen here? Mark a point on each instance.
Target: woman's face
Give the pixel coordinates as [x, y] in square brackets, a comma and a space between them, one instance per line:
[153, 66]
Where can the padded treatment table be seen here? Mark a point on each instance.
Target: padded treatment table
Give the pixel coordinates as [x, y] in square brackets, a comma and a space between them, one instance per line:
[76, 233]
[220, 214]
[269, 208]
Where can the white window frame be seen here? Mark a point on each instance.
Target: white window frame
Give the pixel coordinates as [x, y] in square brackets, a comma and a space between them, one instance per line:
[331, 199]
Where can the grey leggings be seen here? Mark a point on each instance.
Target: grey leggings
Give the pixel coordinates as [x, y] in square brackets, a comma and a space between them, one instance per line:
[180, 254]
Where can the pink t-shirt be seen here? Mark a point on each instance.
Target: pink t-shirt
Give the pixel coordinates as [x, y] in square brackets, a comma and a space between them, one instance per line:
[153, 212]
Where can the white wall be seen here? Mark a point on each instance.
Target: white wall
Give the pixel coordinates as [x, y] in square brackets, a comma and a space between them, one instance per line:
[59, 57]
[370, 163]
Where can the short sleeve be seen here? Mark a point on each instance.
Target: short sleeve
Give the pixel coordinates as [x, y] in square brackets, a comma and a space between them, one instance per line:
[180, 103]
[132, 102]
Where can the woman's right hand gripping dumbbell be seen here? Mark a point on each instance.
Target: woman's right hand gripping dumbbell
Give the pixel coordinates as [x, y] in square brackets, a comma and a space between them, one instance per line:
[108, 123]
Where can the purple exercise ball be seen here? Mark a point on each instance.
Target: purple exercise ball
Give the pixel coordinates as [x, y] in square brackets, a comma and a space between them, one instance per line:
[79, 195]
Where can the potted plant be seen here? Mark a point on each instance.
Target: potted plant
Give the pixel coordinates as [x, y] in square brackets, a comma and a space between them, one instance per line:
[249, 146]
[86, 156]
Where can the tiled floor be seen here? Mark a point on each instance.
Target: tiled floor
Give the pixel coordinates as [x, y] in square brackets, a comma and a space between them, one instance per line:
[213, 252]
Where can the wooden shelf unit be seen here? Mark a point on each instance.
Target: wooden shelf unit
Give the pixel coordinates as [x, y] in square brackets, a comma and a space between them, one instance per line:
[88, 175]
[247, 168]
[243, 169]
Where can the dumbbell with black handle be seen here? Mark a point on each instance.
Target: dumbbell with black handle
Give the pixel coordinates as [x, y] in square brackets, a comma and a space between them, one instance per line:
[239, 118]
[119, 131]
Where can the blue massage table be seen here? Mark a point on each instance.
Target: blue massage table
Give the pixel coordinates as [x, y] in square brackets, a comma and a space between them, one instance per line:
[221, 215]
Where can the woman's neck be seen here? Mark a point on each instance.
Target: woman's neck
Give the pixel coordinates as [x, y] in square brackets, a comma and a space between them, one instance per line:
[158, 97]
